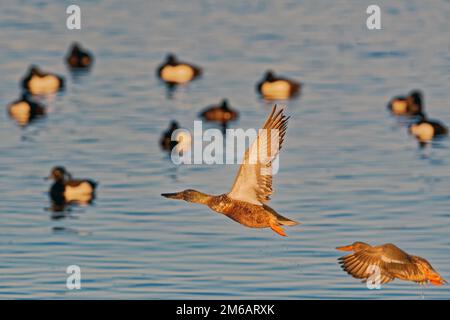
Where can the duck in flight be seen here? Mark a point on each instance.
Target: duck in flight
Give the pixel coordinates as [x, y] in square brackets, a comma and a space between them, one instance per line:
[391, 261]
[246, 203]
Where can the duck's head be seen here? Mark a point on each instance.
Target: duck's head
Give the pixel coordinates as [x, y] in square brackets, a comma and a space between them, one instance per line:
[426, 268]
[174, 125]
[415, 102]
[225, 104]
[269, 75]
[355, 246]
[171, 58]
[58, 174]
[34, 70]
[188, 195]
[76, 48]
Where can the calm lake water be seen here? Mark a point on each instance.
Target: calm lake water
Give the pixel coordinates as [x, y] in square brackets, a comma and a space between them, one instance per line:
[349, 171]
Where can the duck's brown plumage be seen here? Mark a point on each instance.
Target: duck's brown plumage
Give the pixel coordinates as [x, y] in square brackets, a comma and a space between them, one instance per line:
[220, 113]
[246, 202]
[247, 214]
[391, 261]
[79, 58]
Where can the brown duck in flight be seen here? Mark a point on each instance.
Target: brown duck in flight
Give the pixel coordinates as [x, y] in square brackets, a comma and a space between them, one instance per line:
[391, 261]
[246, 202]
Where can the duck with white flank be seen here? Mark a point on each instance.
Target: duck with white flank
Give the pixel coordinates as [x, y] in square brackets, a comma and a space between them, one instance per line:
[38, 82]
[246, 202]
[25, 110]
[272, 87]
[426, 130]
[65, 189]
[175, 72]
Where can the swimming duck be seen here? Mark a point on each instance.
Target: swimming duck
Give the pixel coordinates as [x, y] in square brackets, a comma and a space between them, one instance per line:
[24, 110]
[65, 189]
[79, 58]
[277, 88]
[221, 113]
[246, 202]
[425, 130]
[391, 261]
[411, 105]
[39, 83]
[176, 72]
[166, 141]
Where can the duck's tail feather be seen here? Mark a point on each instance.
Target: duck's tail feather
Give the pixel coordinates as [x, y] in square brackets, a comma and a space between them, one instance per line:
[280, 219]
[287, 222]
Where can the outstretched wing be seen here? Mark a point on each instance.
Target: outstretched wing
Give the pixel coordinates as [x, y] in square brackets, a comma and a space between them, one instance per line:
[253, 182]
[388, 260]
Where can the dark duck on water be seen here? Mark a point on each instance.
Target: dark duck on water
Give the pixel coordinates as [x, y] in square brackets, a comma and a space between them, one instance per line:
[38, 82]
[25, 110]
[68, 190]
[79, 58]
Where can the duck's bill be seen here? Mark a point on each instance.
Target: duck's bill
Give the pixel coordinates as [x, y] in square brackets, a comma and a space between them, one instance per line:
[345, 248]
[177, 195]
